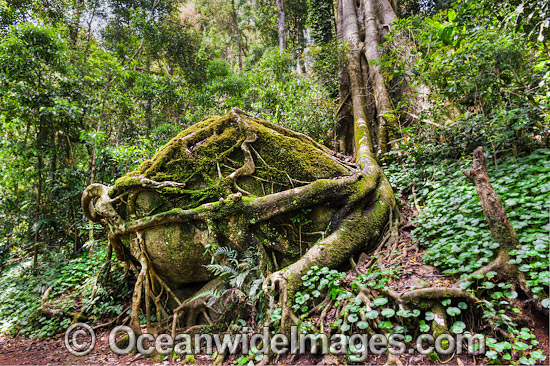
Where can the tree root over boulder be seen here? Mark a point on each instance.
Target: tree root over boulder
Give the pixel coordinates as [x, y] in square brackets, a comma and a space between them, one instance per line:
[237, 181]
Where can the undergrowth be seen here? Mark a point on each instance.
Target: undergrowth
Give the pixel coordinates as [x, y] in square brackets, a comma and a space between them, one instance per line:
[451, 225]
[72, 282]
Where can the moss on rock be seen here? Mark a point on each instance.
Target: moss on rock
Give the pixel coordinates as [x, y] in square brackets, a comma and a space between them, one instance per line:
[204, 155]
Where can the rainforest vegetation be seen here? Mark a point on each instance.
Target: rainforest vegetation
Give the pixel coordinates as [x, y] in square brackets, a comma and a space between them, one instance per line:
[344, 166]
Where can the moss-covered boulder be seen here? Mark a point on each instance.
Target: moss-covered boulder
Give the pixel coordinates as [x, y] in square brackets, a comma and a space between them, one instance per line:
[239, 182]
[221, 157]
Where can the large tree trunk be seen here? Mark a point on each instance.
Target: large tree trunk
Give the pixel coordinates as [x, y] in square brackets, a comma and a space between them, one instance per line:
[360, 25]
[385, 114]
[281, 26]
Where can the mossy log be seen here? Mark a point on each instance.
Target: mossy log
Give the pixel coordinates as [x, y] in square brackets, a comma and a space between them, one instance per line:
[237, 181]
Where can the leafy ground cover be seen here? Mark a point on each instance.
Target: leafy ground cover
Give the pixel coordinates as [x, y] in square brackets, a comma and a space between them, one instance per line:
[452, 227]
[75, 286]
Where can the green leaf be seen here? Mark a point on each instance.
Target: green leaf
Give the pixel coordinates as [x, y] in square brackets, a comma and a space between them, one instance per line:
[501, 346]
[362, 324]
[453, 311]
[511, 294]
[459, 324]
[388, 313]
[520, 346]
[379, 301]
[524, 268]
[451, 15]
[434, 24]
[446, 36]
[457, 330]
[371, 314]
[424, 327]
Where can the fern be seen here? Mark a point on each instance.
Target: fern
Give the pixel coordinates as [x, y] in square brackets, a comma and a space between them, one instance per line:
[229, 253]
[215, 294]
[222, 270]
[249, 260]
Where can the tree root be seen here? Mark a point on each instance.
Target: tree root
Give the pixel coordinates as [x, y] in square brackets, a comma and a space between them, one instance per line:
[436, 293]
[331, 251]
[146, 282]
[58, 313]
[116, 320]
[219, 360]
[196, 306]
[323, 316]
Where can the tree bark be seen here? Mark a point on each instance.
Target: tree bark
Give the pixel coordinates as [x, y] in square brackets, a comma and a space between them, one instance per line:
[385, 114]
[370, 22]
[281, 25]
[362, 133]
[499, 224]
[358, 26]
[39, 167]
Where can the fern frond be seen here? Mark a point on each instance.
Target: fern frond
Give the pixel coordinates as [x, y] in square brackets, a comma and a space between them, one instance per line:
[215, 293]
[222, 270]
[229, 253]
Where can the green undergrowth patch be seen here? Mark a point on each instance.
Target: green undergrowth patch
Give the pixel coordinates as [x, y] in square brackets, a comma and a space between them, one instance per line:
[72, 282]
[406, 323]
[451, 225]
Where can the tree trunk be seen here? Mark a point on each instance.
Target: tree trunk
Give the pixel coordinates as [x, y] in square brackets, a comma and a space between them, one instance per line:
[238, 34]
[281, 25]
[501, 229]
[39, 167]
[499, 224]
[385, 114]
[350, 31]
[495, 214]
[363, 25]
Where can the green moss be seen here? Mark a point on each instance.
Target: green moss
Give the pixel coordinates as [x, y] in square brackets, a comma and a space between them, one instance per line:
[127, 181]
[205, 154]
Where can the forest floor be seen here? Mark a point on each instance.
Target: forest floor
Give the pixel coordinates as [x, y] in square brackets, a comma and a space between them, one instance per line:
[414, 274]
